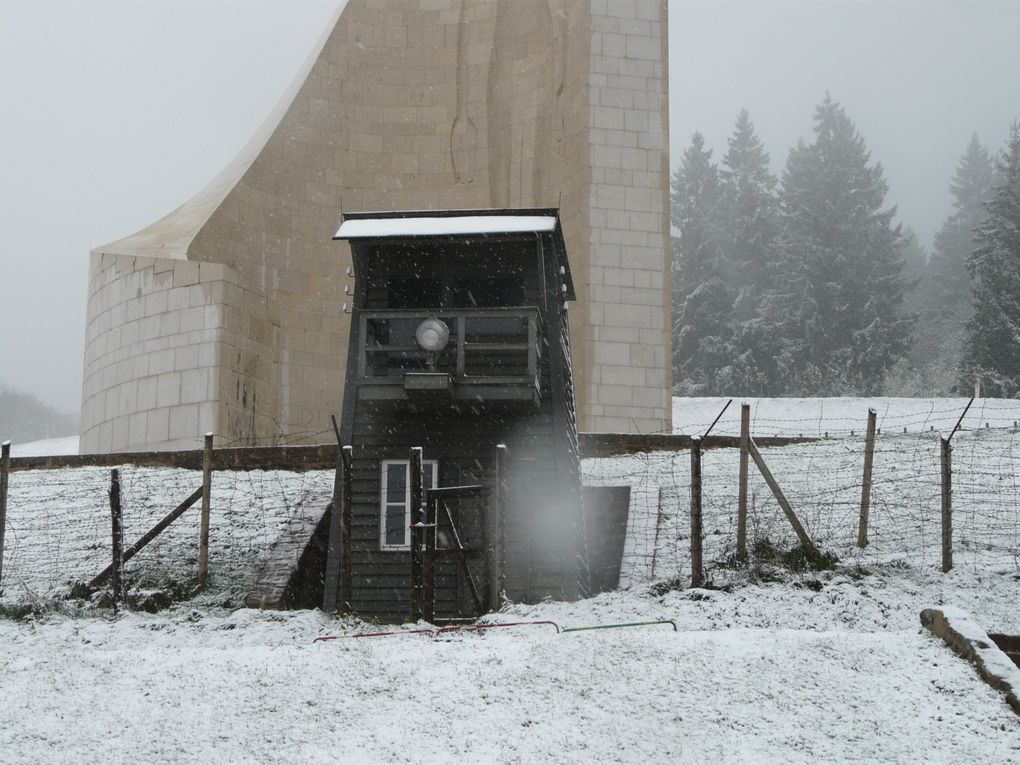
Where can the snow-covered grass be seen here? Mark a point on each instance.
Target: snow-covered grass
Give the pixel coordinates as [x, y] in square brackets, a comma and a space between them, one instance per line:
[771, 666]
[836, 672]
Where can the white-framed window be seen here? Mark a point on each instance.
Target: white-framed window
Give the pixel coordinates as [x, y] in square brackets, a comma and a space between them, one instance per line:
[395, 501]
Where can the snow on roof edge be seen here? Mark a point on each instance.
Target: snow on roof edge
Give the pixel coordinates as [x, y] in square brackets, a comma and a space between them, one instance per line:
[368, 228]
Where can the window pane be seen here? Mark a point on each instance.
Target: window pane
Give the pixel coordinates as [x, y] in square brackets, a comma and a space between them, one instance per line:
[429, 469]
[396, 522]
[396, 482]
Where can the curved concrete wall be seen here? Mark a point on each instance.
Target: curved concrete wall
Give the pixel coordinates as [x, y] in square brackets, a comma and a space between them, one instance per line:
[224, 316]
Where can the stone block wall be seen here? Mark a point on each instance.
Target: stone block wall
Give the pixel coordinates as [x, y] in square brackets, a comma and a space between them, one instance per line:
[628, 386]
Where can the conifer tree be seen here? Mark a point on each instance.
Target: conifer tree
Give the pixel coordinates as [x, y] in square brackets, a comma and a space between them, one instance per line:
[841, 320]
[749, 207]
[750, 212]
[993, 332]
[702, 302]
[945, 303]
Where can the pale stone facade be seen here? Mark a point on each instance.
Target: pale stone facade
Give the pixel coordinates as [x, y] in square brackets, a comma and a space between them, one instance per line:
[225, 315]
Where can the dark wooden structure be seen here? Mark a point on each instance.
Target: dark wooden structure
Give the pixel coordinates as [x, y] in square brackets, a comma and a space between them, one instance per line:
[459, 343]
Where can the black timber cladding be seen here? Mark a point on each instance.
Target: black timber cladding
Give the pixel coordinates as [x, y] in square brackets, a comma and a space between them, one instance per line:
[462, 278]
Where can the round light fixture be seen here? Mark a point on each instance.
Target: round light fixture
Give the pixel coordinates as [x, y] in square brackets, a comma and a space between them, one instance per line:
[432, 335]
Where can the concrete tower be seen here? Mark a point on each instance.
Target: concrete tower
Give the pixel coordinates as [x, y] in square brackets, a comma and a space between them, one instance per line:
[225, 315]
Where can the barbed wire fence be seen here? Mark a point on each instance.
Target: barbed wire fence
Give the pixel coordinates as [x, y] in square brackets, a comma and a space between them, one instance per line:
[823, 481]
[59, 527]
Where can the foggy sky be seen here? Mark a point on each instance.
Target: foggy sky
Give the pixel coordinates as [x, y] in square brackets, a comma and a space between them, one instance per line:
[118, 111]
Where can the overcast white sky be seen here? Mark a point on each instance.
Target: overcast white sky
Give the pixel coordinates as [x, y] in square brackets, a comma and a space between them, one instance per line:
[117, 111]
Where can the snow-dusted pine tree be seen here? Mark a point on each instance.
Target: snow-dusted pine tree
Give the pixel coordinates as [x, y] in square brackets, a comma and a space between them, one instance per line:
[992, 348]
[702, 301]
[749, 255]
[841, 318]
[945, 303]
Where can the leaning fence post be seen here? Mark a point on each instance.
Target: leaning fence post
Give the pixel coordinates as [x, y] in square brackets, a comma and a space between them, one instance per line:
[947, 504]
[203, 533]
[5, 472]
[869, 461]
[118, 540]
[697, 564]
[745, 438]
[496, 531]
[777, 492]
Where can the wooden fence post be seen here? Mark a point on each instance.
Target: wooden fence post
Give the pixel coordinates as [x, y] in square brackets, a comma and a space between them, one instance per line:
[697, 564]
[118, 540]
[5, 474]
[346, 513]
[745, 438]
[947, 504]
[869, 461]
[777, 492]
[203, 533]
[497, 531]
[416, 477]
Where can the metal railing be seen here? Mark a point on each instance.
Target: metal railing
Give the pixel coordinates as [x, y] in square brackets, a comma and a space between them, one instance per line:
[486, 344]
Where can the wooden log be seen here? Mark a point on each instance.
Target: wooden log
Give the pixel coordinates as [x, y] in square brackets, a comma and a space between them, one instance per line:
[697, 564]
[745, 437]
[5, 477]
[869, 461]
[946, 455]
[497, 531]
[346, 513]
[117, 526]
[417, 513]
[203, 533]
[777, 492]
[148, 536]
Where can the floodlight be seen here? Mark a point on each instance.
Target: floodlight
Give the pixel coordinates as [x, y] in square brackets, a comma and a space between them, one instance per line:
[432, 335]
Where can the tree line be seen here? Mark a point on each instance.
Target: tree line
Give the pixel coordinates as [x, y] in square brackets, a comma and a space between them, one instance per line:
[23, 417]
[804, 285]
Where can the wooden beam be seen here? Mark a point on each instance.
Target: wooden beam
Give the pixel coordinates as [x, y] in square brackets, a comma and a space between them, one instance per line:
[5, 477]
[777, 492]
[697, 564]
[745, 438]
[203, 533]
[117, 526]
[149, 535]
[946, 460]
[869, 461]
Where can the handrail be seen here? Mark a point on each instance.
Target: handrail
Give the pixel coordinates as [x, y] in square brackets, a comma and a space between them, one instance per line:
[468, 313]
[460, 348]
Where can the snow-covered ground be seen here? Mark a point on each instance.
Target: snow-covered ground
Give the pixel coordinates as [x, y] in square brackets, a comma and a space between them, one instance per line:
[771, 667]
[816, 417]
[771, 673]
[46, 447]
